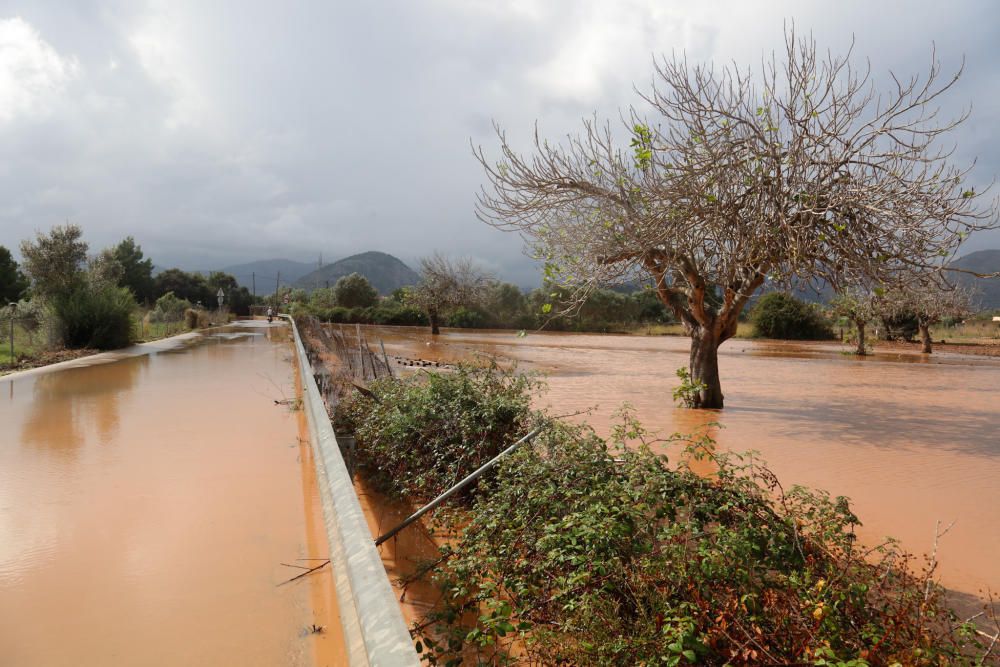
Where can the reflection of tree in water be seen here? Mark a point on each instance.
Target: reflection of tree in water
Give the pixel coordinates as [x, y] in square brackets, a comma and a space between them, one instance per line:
[63, 400]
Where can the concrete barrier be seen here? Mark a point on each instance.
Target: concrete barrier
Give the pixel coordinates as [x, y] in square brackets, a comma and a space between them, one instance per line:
[375, 632]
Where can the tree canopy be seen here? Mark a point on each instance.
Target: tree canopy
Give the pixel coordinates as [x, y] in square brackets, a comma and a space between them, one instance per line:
[801, 171]
[13, 283]
[55, 261]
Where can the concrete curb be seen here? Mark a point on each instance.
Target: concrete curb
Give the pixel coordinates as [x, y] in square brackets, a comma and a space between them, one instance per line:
[374, 630]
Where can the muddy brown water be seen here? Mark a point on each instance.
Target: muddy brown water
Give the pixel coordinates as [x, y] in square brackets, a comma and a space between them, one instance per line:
[146, 506]
[911, 439]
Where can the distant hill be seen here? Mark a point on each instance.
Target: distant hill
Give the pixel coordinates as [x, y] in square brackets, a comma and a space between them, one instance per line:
[385, 272]
[988, 289]
[267, 271]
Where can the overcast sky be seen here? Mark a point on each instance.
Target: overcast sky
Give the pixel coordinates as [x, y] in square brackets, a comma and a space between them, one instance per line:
[221, 132]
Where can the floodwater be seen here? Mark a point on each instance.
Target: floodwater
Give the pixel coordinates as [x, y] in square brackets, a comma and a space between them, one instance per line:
[911, 439]
[146, 506]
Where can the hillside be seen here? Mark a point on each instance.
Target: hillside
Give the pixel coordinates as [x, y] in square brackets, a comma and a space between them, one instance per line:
[267, 270]
[983, 261]
[386, 273]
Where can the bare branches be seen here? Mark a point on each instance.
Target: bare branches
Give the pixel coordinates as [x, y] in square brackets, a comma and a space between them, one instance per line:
[803, 170]
[446, 284]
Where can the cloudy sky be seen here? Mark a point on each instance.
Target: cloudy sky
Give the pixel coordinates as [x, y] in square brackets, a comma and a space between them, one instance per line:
[220, 132]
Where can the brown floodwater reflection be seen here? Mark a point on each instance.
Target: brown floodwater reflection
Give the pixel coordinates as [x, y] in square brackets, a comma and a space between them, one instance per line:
[910, 439]
[146, 506]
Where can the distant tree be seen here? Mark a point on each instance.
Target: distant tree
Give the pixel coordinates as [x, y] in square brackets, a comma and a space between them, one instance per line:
[237, 298]
[322, 298]
[104, 270]
[782, 316]
[928, 304]
[505, 303]
[137, 272]
[803, 171]
[55, 261]
[445, 285]
[188, 286]
[13, 283]
[355, 291]
[860, 306]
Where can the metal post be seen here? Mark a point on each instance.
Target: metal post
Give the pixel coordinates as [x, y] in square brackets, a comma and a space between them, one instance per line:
[13, 312]
[458, 487]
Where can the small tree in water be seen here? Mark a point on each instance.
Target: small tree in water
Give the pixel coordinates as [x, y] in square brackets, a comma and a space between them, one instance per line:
[860, 307]
[929, 304]
[804, 172]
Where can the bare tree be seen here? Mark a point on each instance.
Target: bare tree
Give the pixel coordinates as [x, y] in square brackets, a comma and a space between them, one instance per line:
[803, 172]
[860, 306]
[929, 303]
[445, 285]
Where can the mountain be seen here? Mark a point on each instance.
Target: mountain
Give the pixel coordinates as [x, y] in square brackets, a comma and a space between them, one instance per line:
[266, 271]
[988, 289]
[385, 272]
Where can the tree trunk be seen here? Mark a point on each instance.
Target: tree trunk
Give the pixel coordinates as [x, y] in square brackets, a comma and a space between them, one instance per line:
[925, 338]
[861, 351]
[705, 368]
[433, 317]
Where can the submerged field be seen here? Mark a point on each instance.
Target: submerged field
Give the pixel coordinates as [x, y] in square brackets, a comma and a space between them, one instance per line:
[910, 439]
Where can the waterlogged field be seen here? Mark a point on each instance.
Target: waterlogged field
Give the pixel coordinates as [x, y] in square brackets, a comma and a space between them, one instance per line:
[912, 440]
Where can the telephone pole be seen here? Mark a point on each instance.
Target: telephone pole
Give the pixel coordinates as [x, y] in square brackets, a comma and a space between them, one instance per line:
[277, 282]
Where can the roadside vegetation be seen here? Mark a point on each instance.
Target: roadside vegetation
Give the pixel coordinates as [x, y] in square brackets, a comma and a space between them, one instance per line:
[580, 550]
[64, 302]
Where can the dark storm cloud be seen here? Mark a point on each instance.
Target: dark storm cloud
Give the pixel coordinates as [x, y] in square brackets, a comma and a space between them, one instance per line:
[220, 132]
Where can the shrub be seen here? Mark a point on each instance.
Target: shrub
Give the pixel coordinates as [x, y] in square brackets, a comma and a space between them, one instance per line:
[195, 318]
[580, 553]
[95, 317]
[169, 308]
[577, 551]
[466, 318]
[778, 315]
[441, 427]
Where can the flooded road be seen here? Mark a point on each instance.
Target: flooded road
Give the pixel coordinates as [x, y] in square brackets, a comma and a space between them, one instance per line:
[146, 506]
[910, 439]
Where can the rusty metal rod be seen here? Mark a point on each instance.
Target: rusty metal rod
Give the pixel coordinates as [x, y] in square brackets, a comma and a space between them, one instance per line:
[473, 476]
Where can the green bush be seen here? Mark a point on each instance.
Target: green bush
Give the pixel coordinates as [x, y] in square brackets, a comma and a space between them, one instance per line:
[441, 427]
[580, 553]
[169, 308]
[782, 316]
[95, 317]
[466, 318]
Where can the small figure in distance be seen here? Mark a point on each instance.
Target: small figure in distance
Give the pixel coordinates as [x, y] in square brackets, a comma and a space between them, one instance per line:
[270, 314]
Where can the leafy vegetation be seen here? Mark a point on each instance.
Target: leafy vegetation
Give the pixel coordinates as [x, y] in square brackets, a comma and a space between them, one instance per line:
[439, 427]
[779, 315]
[95, 317]
[591, 552]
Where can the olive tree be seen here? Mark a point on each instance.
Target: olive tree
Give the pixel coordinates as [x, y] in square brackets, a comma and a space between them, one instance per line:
[55, 261]
[355, 291]
[446, 284]
[801, 170]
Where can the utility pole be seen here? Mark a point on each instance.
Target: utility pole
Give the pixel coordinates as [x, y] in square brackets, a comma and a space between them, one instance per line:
[277, 282]
[253, 278]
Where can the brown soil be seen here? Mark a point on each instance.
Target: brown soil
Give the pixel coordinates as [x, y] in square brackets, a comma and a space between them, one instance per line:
[45, 359]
